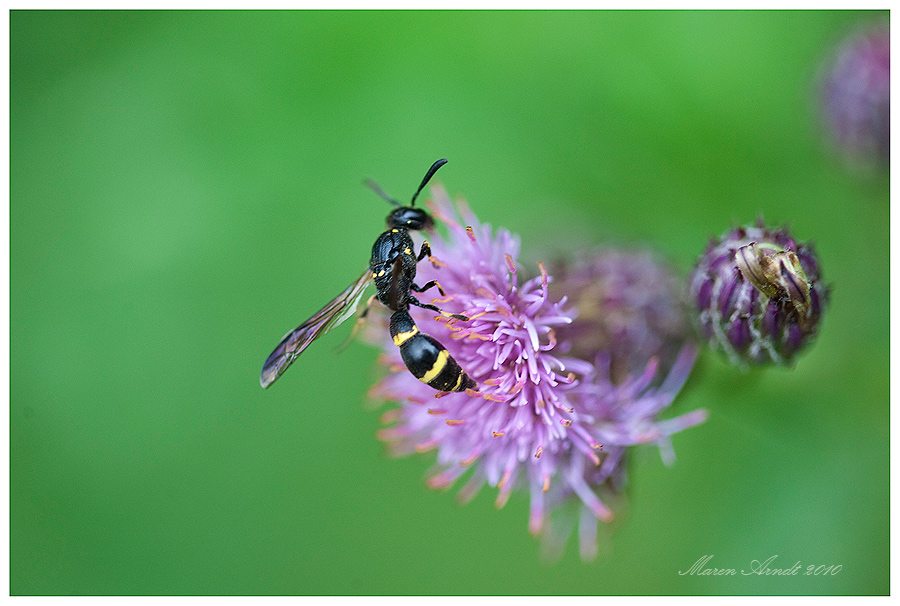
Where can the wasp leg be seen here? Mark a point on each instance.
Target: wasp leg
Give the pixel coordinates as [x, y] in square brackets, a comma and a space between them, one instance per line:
[414, 301]
[359, 322]
[431, 284]
[426, 252]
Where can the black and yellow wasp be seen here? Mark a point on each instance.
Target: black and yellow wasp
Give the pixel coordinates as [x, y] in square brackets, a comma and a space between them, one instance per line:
[393, 269]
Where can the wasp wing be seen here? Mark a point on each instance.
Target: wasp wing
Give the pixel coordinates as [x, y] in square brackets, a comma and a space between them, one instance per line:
[292, 345]
[395, 296]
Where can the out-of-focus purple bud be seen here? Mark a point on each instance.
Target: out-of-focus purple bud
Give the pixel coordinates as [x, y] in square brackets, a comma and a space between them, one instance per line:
[856, 95]
[632, 306]
[759, 295]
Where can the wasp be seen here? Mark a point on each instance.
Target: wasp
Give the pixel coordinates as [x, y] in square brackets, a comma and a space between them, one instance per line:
[393, 269]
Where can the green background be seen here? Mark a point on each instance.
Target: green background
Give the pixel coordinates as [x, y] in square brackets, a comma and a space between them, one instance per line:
[186, 187]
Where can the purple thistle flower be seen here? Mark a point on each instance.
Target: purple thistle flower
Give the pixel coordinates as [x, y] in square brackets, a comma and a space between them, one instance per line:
[543, 420]
[856, 94]
[759, 295]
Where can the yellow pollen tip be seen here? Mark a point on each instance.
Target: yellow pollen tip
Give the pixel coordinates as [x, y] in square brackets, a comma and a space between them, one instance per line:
[505, 478]
[426, 446]
[510, 264]
[469, 461]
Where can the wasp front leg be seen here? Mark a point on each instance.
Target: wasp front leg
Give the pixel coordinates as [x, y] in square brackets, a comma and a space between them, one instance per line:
[426, 252]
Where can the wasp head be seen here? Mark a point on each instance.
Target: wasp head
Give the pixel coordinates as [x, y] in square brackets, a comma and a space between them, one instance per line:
[409, 217]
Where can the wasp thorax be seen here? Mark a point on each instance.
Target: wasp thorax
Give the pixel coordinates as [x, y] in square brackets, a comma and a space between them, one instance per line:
[409, 217]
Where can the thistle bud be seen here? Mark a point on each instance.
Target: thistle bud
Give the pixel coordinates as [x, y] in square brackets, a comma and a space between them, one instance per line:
[631, 307]
[856, 95]
[759, 295]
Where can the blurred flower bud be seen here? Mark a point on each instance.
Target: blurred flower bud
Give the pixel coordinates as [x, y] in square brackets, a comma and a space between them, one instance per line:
[759, 295]
[856, 95]
[631, 307]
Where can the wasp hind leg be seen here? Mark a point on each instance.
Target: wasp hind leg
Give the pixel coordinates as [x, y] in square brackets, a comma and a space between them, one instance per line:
[359, 322]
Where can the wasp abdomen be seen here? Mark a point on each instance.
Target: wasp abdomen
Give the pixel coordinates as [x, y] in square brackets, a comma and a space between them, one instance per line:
[426, 358]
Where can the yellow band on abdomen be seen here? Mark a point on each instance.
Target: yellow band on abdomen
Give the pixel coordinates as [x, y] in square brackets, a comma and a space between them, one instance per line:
[437, 367]
[402, 337]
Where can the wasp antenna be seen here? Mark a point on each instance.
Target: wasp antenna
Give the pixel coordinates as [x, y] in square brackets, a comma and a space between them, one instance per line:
[377, 189]
[434, 168]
